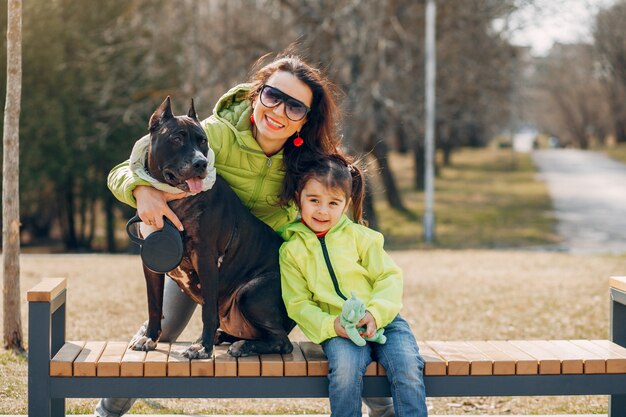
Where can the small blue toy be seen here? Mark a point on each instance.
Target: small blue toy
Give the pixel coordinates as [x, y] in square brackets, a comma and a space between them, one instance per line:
[352, 313]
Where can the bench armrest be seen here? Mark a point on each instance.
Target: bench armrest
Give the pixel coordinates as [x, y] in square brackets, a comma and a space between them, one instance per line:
[619, 283]
[617, 286]
[46, 290]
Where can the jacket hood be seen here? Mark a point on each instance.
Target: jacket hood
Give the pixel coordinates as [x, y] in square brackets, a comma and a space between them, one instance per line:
[234, 110]
[300, 229]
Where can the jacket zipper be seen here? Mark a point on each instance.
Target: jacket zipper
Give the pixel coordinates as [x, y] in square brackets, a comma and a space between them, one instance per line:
[330, 267]
[259, 183]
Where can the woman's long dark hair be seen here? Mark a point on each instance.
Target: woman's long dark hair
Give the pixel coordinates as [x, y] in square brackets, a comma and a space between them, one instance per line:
[320, 132]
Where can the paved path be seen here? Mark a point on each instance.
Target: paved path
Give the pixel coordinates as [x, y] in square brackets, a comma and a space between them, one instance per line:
[588, 192]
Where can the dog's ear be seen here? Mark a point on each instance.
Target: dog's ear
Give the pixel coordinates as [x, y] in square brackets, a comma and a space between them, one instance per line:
[192, 112]
[161, 114]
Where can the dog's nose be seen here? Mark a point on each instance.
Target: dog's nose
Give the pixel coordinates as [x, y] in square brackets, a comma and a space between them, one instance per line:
[199, 165]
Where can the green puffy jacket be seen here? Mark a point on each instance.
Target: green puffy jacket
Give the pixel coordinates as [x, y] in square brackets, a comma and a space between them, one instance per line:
[255, 177]
[360, 264]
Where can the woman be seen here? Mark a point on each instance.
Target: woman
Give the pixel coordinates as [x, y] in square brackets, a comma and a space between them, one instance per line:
[261, 134]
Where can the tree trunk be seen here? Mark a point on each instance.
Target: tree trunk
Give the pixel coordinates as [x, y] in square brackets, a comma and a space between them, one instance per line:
[13, 338]
[369, 213]
[109, 223]
[420, 165]
[380, 152]
[70, 239]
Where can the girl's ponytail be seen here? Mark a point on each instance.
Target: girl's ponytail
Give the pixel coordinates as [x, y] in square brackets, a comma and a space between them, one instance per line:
[358, 191]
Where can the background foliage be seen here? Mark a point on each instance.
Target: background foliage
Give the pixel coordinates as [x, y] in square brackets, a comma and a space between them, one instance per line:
[94, 71]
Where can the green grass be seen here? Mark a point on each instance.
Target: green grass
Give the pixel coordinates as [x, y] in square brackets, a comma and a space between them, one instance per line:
[488, 198]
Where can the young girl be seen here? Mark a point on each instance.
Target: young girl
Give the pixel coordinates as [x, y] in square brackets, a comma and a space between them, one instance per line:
[326, 256]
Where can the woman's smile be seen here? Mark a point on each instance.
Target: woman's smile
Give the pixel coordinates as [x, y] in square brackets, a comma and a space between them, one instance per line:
[273, 123]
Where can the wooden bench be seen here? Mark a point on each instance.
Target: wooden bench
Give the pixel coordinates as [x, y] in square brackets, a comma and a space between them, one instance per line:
[91, 369]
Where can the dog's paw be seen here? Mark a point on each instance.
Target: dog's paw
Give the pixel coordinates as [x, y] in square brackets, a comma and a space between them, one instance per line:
[197, 351]
[240, 348]
[143, 343]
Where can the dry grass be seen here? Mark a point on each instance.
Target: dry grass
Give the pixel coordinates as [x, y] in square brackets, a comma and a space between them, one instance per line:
[487, 198]
[449, 295]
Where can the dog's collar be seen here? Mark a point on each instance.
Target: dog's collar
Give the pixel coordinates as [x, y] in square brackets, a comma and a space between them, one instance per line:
[138, 161]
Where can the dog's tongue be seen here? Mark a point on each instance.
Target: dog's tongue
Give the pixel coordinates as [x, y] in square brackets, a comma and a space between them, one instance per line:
[195, 185]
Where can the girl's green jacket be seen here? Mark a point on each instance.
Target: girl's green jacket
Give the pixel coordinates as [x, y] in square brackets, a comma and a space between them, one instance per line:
[360, 264]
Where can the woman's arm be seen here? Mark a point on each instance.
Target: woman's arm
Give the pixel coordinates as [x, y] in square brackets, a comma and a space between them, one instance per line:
[122, 182]
[151, 203]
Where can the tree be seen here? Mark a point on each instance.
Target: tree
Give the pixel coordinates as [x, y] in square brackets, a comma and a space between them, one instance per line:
[13, 338]
[569, 100]
[610, 42]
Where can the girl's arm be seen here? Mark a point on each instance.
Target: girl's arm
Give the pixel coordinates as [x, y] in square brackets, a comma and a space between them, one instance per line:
[315, 323]
[386, 300]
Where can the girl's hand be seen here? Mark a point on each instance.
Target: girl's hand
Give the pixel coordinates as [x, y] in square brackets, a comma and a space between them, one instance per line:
[370, 325]
[152, 206]
[339, 329]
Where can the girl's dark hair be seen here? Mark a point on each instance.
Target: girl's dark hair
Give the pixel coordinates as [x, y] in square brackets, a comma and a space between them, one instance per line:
[320, 130]
[337, 171]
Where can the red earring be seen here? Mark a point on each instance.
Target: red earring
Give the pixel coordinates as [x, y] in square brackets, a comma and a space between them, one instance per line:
[252, 118]
[298, 141]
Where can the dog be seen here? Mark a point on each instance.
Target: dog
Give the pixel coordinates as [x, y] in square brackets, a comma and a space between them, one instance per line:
[230, 263]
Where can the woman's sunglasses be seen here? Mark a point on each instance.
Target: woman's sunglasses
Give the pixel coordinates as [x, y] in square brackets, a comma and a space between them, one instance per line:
[294, 109]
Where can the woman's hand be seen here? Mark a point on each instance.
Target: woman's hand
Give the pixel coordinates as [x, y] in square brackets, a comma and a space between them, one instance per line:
[152, 206]
[370, 325]
[339, 329]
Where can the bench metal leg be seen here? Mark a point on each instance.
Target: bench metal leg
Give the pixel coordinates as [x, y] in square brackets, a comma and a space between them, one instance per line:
[617, 403]
[58, 407]
[39, 400]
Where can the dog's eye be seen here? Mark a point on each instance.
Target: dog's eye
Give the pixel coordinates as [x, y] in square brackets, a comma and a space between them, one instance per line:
[177, 140]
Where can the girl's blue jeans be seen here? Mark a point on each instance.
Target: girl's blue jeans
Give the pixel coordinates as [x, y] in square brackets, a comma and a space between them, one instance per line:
[399, 356]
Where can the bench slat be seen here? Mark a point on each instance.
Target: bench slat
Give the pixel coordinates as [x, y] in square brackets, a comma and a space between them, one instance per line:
[250, 365]
[480, 364]
[86, 362]
[177, 364]
[132, 363]
[503, 364]
[109, 361]
[294, 362]
[592, 362]
[524, 363]
[155, 364]
[225, 365]
[458, 364]
[61, 364]
[616, 356]
[317, 364]
[549, 364]
[272, 364]
[570, 364]
[433, 363]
